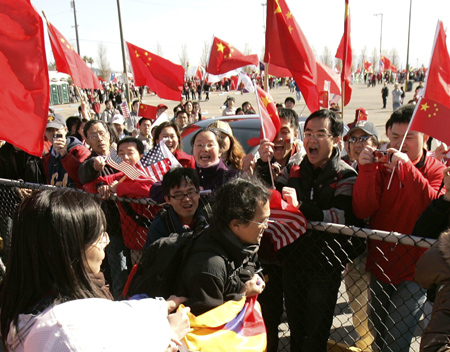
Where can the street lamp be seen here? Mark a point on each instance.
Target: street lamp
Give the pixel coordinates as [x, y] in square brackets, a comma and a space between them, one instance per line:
[381, 31]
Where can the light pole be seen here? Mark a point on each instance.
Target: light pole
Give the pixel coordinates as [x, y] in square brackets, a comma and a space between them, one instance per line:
[76, 25]
[407, 51]
[381, 30]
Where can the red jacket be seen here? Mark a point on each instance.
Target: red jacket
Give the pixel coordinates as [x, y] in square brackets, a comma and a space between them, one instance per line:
[185, 159]
[396, 209]
[134, 234]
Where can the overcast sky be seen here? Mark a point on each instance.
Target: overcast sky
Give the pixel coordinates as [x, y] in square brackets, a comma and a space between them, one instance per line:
[174, 23]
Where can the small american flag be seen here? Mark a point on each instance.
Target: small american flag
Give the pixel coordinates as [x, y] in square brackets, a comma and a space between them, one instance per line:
[125, 110]
[288, 223]
[116, 162]
[156, 163]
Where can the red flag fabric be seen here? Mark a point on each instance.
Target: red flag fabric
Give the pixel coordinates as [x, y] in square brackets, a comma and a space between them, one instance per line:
[24, 77]
[68, 61]
[394, 68]
[386, 62]
[432, 112]
[147, 111]
[326, 73]
[270, 120]
[367, 65]
[163, 77]
[344, 52]
[224, 58]
[278, 71]
[286, 46]
[287, 223]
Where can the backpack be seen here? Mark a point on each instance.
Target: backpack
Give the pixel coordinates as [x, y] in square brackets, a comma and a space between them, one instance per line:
[157, 273]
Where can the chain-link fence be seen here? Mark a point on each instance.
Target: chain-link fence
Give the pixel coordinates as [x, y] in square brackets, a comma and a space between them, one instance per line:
[325, 267]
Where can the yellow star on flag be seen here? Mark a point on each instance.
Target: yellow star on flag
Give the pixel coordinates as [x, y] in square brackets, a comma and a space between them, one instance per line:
[424, 107]
[289, 15]
[220, 47]
[62, 40]
[137, 55]
[146, 53]
[290, 29]
[265, 101]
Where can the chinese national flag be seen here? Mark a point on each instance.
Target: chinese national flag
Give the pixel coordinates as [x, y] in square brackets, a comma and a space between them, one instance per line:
[367, 65]
[24, 77]
[344, 52]
[432, 113]
[163, 77]
[386, 62]
[270, 120]
[147, 111]
[68, 61]
[286, 46]
[224, 58]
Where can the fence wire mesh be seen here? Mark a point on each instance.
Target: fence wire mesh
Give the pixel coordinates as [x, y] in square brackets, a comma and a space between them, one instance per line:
[364, 311]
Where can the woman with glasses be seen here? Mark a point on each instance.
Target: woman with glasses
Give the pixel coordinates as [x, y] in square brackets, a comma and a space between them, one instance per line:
[49, 301]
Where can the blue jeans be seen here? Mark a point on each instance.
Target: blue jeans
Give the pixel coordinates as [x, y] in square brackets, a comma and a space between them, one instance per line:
[396, 310]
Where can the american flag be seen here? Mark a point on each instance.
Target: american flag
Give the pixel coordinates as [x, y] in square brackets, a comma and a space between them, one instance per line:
[287, 223]
[156, 163]
[125, 110]
[116, 162]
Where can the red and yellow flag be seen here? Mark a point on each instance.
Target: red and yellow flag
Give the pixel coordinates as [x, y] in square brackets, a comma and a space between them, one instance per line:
[270, 120]
[235, 326]
[162, 76]
[432, 113]
[286, 46]
[147, 111]
[68, 61]
[24, 77]
[224, 58]
[344, 52]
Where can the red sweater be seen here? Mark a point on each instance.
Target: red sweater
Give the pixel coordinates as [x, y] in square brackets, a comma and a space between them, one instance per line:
[396, 209]
[185, 159]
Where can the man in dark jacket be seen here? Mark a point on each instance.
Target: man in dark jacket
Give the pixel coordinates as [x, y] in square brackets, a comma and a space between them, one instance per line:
[222, 264]
[321, 187]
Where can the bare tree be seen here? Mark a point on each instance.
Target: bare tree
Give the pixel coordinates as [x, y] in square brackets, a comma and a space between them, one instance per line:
[52, 66]
[326, 57]
[103, 62]
[205, 52]
[159, 50]
[183, 56]
[374, 57]
[394, 57]
[247, 49]
[363, 55]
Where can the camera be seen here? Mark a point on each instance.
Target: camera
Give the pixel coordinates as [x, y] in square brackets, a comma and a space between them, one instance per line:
[58, 135]
[381, 156]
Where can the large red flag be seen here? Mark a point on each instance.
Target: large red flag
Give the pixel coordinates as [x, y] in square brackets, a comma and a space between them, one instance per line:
[224, 58]
[344, 52]
[432, 113]
[286, 46]
[68, 61]
[163, 77]
[24, 76]
[386, 62]
[326, 73]
[269, 117]
[367, 65]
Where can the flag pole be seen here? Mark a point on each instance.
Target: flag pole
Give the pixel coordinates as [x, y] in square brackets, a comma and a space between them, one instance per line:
[125, 69]
[263, 132]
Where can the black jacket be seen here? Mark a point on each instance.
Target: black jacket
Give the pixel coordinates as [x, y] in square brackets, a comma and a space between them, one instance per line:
[216, 270]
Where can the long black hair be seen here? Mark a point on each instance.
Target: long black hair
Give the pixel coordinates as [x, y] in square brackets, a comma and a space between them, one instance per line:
[51, 231]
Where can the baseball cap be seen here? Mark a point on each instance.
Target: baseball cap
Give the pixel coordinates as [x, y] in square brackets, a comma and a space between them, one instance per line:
[117, 118]
[56, 121]
[160, 106]
[366, 126]
[223, 127]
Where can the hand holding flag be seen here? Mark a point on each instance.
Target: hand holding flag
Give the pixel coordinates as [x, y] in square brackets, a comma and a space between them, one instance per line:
[116, 162]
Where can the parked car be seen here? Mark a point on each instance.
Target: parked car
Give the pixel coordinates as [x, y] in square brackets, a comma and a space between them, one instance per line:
[244, 128]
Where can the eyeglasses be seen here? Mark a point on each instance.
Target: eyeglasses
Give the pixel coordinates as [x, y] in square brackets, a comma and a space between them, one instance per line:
[95, 136]
[265, 223]
[361, 139]
[181, 196]
[207, 145]
[103, 241]
[319, 135]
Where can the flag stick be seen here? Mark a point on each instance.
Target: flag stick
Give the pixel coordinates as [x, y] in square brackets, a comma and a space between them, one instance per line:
[264, 132]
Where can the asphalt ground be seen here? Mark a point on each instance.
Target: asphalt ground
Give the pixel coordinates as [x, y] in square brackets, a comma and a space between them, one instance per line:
[368, 98]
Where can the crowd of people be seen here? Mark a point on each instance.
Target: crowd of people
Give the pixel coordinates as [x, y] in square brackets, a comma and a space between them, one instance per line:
[352, 179]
